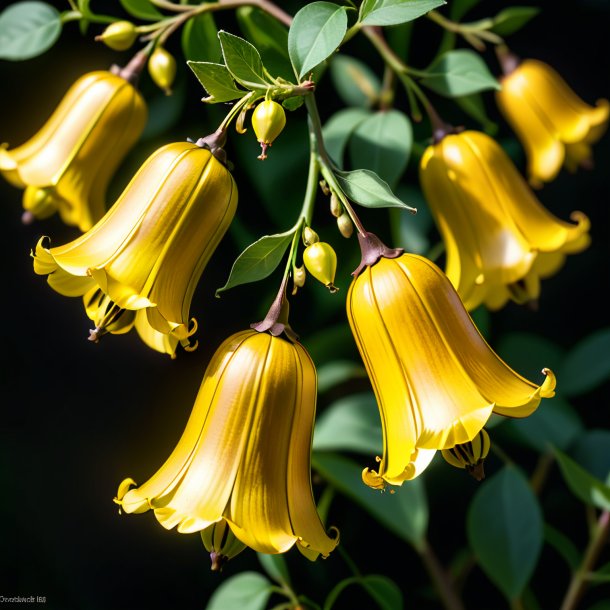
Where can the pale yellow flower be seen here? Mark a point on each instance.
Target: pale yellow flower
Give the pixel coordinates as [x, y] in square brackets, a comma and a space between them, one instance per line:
[147, 253]
[555, 126]
[67, 165]
[436, 379]
[499, 239]
[245, 453]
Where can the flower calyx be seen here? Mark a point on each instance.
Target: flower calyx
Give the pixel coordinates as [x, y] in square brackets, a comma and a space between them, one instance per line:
[372, 249]
[214, 142]
[221, 543]
[276, 320]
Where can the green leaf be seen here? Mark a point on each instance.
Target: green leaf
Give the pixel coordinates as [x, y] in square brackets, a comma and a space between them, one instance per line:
[350, 424]
[458, 8]
[583, 485]
[142, 9]
[601, 575]
[474, 106]
[316, 32]
[563, 545]
[200, 39]
[511, 19]
[553, 423]
[270, 37]
[592, 452]
[404, 512]
[276, 567]
[258, 260]
[245, 591]
[600, 605]
[457, 73]
[217, 81]
[382, 143]
[355, 82]
[28, 29]
[393, 12]
[587, 365]
[369, 190]
[243, 61]
[336, 372]
[338, 129]
[382, 589]
[505, 528]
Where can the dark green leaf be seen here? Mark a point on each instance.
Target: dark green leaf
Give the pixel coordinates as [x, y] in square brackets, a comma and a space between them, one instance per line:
[276, 567]
[382, 143]
[393, 12]
[292, 103]
[316, 31]
[474, 106]
[563, 545]
[258, 260]
[601, 575]
[28, 29]
[336, 372]
[600, 605]
[405, 512]
[504, 526]
[200, 39]
[410, 231]
[142, 9]
[350, 424]
[383, 590]
[217, 81]
[458, 8]
[338, 129]
[245, 591]
[369, 190]
[511, 19]
[457, 73]
[243, 61]
[583, 485]
[354, 81]
[592, 452]
[587, 365]
[553, 423]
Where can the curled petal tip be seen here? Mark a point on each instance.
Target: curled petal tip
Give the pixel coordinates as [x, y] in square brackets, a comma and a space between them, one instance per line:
[547, 389]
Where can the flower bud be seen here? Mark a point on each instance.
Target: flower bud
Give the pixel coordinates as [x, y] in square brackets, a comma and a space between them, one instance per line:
[345, 225]
[221, 543]
[336, 209]
[310, 236]
[321, 261]
[470, 455]
[268, 120]
[119, 35]
[162, 69]
[298, 278]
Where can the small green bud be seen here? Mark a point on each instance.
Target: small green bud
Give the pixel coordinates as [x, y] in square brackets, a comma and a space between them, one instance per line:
[321, 261]
[119, 35]
[310, 236]
[268, 120]
[345, 225]
[162, 69]
[299, 276]
[336, 209]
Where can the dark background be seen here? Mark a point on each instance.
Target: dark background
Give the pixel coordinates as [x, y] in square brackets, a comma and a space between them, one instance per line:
[77, 418]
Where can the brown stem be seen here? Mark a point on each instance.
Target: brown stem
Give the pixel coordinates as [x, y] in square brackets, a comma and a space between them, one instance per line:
[440, 578]
[541, 472]
[507, 59]
[131, 72]
[276, 320]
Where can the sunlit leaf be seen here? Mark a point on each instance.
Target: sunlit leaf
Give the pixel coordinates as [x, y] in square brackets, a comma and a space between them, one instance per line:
[200, 39]
[258, 260]
[28, 29]
[316, 31]
[354, 80]
[393, 12]
[404, 512]
[505, 529]
[339, 128]
[457, 73]
[244, 591]
[367, 189]
[243, 61]
[142, 9]
[217, 81]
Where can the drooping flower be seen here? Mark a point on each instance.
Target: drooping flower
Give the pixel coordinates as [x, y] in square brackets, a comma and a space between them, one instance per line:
[499, 239]
[436, 380]
[67, 165]
[140, 264]
[245, 453]
[555, 126]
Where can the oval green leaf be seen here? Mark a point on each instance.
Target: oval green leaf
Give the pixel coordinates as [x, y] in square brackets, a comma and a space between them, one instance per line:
[505, 530]
[142, 9]
[592, 451]
[316, 32]
[276, 567]
[393, 12]
[457, 73]
[404, 512]
[355, 82]
[587, 365]
[243, 61]
[382, 143]
[336, 372]
[245, 591]
[28, 29]
[511, 19]
[338, 129]
[217, 82]
[258, 260]
[200, 39]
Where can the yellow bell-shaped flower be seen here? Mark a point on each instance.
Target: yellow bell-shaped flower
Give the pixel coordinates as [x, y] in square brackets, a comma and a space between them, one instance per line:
[555, 126]
[245, 453]
[147, 253]
[67, 165]
[436, 379]
[499, 239]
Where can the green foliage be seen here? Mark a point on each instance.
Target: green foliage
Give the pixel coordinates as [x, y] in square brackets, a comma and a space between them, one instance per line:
[245, 591]
[200, 39]
[367, 189]
[217, 81]
[141, 9]
[394, 12]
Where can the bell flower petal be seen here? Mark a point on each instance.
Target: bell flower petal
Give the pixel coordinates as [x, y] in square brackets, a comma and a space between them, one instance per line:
[436, 379]
[245, 453]
[497, 234]
[67, 165]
